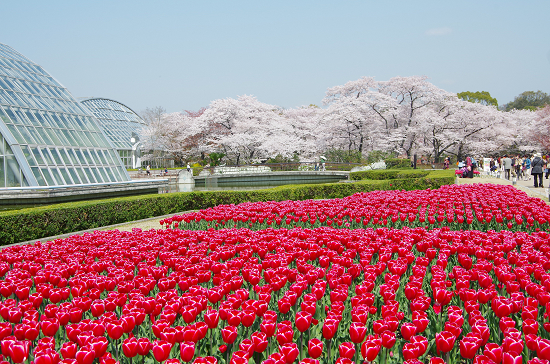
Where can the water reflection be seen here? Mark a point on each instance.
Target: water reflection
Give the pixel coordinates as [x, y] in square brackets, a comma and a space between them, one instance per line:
[172, 187]
[190, 187]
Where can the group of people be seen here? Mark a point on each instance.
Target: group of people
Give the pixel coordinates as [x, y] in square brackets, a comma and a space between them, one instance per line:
[522, 167]
[466, 168]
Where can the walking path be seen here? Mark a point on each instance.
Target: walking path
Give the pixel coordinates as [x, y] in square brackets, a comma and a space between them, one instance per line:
[526, 186]
[153, 223]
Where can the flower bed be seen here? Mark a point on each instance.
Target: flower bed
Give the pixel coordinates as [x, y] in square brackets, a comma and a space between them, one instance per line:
[480, 207]
[309, 295]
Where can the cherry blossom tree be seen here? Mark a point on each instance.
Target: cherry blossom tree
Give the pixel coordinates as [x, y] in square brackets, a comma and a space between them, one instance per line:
[357, 115]
[242, 127]
[177, 135]
[404, 115]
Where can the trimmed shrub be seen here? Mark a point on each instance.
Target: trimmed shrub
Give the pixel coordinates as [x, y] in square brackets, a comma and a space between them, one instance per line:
[40, 222]
[381, 174]
[393, 163]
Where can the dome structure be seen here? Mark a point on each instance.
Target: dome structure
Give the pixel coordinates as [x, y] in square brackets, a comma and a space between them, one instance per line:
[120, 124]
[47, 138]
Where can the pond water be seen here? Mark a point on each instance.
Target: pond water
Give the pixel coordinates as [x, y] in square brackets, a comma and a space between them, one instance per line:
[172, 187]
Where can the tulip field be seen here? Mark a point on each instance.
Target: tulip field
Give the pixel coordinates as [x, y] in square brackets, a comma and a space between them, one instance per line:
[454, 275]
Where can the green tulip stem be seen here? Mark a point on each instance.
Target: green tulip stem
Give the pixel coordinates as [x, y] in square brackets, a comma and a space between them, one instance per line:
[328, 350]
[211, 338]
[300, 346]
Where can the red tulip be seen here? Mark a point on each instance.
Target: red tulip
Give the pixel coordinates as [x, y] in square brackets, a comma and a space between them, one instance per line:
[187, 351]
[370, 348]
[5, 330]
[412, 350]
[19, 351]
[303, 321]
[248, 317]
[388, 339]
[445, 341]
[115, 330]
[530, 326]
[212, 317]
[247, 346]
[46, 356]
[512, 345]
[68, 350]
[346, 350]
[315, 348]
[408, 330]
[290, 352]
[229, 334]
[329, 329]
[469, 347]
[99, 345]
[49, 327]
[512, 358]
[260, 342]
[161, 350]
[284, 335]
[85, 356]
[357, 332]
[144, 346]
[268, 327]
[130, 347]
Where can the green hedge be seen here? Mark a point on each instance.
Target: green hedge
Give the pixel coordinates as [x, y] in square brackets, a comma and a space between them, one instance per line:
[392, 163]
[36, 223]
[381, 174]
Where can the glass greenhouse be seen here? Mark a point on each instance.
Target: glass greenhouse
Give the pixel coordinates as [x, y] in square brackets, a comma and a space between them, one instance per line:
[121, 125]
[47, 138]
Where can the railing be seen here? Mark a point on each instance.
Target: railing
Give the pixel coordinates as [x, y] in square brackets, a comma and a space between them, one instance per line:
[297, 166]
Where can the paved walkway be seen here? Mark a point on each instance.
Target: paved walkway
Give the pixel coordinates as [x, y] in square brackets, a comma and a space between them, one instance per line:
[525, 185]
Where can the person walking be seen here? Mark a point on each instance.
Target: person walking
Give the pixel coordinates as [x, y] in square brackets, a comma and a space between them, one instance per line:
[519, 166]
[148, 170]
[507, 165]
[527, 163]
[537, 166]
[469, 168]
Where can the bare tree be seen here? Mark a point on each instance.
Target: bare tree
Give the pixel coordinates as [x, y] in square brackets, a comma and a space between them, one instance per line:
[152, 115]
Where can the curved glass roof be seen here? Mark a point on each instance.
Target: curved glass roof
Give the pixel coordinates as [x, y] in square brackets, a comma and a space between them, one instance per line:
[48, 137]
[116, 120]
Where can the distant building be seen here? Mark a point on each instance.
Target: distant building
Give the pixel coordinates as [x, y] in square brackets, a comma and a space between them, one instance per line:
[121, 125]
[47, 137]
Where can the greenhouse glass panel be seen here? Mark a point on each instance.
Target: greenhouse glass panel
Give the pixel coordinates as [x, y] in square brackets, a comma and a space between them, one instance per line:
[56, 156]
[53, 136]
[38, 176]
[2, 174]
[66, 176]
[44, 136]
[48, 176]
[46, 156]
[40, 114]
[90, 175]
[35, 135]
[15, 133]
[28, 155]
[25, 134]
[104, 175]
[74, 176]
[37, 156]
[65, 156]
[57, 176]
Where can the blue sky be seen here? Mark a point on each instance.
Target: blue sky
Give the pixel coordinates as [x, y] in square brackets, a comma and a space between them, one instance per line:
[184, 54]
